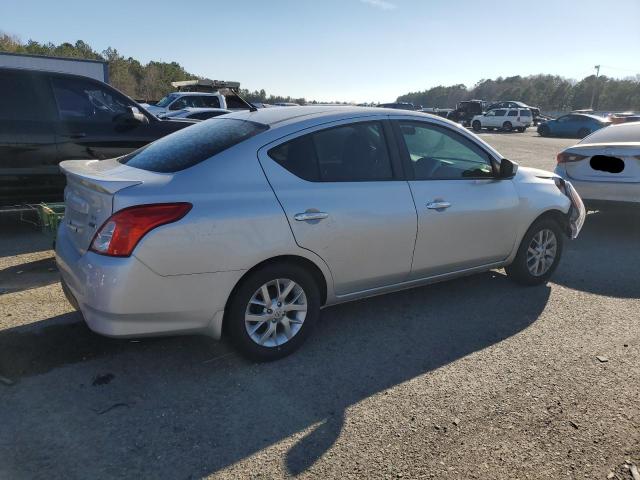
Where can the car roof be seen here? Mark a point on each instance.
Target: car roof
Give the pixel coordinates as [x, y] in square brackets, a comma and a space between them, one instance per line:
[587, 115]
[621, 133]
[275, 116]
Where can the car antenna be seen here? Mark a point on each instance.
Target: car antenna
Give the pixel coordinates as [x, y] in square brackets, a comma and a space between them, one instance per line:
[252, 108]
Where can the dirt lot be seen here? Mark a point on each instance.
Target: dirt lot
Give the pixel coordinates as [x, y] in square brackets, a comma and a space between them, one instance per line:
[474, 378]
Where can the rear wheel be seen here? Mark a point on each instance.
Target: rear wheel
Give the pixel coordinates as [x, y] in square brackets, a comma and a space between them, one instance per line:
[476, 125]
[273, 311]
[538, 255]
[520, 129]
[507, 127]
[583, 132]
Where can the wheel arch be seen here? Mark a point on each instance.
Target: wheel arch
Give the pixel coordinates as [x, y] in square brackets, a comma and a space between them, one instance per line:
[309, 265]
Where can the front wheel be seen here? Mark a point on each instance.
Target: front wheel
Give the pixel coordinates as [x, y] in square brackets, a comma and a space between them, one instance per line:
[538, 255]
[544, 131]
[520, 129]
[476, 125]
[507, 126]
[273, 311]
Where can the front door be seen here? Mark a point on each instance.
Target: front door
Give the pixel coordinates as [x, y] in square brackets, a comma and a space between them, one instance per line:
[345, 200]
[465, 214]
[89, 121]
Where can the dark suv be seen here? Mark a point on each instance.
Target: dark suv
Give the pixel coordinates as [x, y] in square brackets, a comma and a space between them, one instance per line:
[47, 117]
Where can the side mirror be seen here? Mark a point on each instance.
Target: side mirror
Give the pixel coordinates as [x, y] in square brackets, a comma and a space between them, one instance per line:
[508, 168]
[131, 117]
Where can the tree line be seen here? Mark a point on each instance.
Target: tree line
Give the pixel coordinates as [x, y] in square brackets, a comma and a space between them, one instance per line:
[549, 92]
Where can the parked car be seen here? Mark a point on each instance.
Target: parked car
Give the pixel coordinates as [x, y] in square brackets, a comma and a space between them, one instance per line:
[507, 119]
[46, 117]
[624, 117]
[249, 223]
[285, 104]
[605, 166]
[572, 125]
[465, 111]
[194, 113]
[181, 100]
[535, 111]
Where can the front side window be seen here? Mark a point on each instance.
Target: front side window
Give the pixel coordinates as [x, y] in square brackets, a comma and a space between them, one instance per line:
[349, 153]
[500, 113]
[437, 153]
[192, 145]
[165, 101]
[87, 101]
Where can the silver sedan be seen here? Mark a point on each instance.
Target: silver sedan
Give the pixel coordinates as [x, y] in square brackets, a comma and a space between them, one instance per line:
[252, 222]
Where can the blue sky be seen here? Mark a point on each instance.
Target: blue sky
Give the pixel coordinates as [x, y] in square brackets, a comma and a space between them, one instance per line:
[351, 50]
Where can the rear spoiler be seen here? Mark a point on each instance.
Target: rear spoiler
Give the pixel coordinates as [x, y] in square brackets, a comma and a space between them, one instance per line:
[98, 175]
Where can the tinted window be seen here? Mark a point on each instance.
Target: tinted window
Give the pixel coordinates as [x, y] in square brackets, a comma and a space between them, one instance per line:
[350, 153]
[525, 113]
[192, 145]
[500, 113]
[512, 113]
[86, 101]
[440, 154]
[208, 102]
[166, 100]
[19, 99]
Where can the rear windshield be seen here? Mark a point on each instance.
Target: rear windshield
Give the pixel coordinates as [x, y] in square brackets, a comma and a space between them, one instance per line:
[192, 145]
[626, 132]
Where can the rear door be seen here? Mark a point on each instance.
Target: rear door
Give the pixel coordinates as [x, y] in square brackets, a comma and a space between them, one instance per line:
[344, 197]
[466, 216]
[28, 156]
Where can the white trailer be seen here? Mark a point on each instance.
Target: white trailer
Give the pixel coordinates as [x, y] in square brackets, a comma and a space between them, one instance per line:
[97, 69]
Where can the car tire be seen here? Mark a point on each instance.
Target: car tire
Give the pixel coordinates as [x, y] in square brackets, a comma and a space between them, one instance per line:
[477, 126]
[277, 335]
[583, 132]
[520, 129]
[533, 264]
[544, 131]
[507, 126]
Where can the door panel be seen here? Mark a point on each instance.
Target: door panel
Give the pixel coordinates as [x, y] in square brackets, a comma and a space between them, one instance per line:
[465, 214]
[476, 229]
[364, 230]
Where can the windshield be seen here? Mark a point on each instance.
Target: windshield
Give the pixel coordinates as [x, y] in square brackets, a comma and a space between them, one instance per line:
[192, 145]
[167, 100]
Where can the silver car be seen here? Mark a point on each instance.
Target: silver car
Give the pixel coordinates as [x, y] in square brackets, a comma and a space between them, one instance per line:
[252, 222]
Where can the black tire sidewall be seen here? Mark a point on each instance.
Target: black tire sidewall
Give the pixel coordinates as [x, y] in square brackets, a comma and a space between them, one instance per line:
[238, 304]
[476, 125]
[507, 126]
[518, 270]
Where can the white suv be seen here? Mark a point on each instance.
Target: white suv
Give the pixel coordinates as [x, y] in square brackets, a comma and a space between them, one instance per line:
[506, 119]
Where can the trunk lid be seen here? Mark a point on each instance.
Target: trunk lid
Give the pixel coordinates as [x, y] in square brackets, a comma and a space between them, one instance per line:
[605, 163]
[88, 196]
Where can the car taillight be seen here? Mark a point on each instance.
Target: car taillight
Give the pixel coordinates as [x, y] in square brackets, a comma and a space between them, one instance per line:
[564, 157]
[120, 234]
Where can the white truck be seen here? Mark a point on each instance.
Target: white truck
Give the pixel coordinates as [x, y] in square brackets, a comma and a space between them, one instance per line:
[506, 119]
[202, 93]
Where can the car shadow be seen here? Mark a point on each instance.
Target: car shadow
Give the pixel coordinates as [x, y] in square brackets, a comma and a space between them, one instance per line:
[17, 236]
[188, 407]
[604, 258]
[28, 275]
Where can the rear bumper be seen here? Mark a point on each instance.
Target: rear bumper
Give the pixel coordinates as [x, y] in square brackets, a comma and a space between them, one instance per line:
[122, 297]
[597, 192]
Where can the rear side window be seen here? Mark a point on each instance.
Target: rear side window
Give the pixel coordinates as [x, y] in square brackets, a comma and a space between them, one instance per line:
[525, 113]
[192, 145]
[19, 99]
[512, 113]
[349, 153]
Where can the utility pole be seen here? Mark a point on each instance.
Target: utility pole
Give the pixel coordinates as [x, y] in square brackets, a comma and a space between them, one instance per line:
[595, 85]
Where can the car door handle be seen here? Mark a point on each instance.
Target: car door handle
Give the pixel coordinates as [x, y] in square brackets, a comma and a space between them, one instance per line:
[306, 216]
[75, 135]
[438, 205]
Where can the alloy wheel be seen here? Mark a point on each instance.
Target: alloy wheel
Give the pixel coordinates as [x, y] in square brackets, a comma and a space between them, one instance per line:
[542, 252]
[276, 312]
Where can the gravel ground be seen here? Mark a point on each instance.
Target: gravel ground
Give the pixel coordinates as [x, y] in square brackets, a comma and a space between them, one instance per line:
[474, 378]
